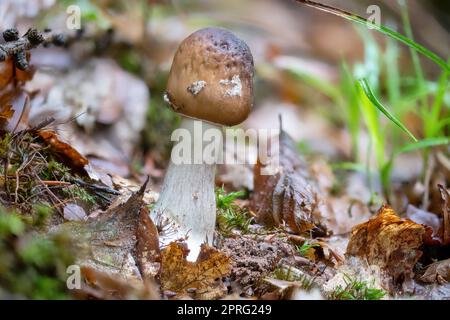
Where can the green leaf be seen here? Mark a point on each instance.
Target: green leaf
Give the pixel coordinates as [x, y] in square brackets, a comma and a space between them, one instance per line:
[224, 200]
[349, 166]
[380, 28]
[369, 94]
[425, 143]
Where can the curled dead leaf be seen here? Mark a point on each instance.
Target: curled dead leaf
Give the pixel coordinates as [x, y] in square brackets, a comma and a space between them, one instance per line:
[147, 247]
[437, 272]
[446, 214]
[68, 154]
[428, 219]
[108, 242]
[287, 197]
[202, 279]
[6, 113]
[6, 72]
[100, 285]
[389, 242]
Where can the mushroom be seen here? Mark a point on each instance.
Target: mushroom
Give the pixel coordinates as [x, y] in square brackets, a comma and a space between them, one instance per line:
[211, 85]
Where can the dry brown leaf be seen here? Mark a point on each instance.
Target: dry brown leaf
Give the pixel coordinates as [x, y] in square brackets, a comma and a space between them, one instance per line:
[446, 214]
[6, 106]
[428, 219]
[100, 285]
[147, 247]
[202, 278]
[6, 112]
[108, 242]
[437, 272]
[14, 105]
[68, 154]
[389, 242]
[287, 197]
[74, 212]
[6, 72]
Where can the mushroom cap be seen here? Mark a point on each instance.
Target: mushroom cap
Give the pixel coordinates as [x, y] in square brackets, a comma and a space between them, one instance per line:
[211, 77]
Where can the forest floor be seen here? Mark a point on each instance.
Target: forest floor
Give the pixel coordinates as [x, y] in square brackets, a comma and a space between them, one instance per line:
[359, 207]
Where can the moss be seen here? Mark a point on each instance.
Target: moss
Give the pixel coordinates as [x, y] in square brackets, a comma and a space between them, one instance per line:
[5, 140]
[355, 289]
[229, 215]
[32, 266]
[77, 193]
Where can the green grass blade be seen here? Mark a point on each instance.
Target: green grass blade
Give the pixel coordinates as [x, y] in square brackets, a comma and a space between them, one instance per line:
[321, 85]
[393, 73]
[424, 144]
[432, 126]
[349, 166]
[372, 121]
[353, 113]
[385, 30]
[369, 94]
[414, 55]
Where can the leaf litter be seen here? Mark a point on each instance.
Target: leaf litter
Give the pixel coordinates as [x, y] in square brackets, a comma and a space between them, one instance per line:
[286, 242]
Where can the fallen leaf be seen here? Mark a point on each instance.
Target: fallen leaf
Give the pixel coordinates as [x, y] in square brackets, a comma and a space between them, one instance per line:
[437, 272]
[108, 243]
[446, 214]
[69, 155]
[288, 196]
[147, 247]
[341, 213]
[389, 242]
[6, 106]
[14, 104]
[6, 113]
[428, 219]
[100, 285]
[202, 278]
[6, 72]
[73, 212]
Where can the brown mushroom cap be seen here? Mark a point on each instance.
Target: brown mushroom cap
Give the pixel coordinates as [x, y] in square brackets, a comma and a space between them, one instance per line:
[212, 77]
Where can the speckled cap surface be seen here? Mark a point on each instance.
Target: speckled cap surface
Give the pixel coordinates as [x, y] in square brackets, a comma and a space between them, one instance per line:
[211, 77]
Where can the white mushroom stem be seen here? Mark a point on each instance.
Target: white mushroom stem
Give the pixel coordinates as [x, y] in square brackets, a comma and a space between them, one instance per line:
[187, 199]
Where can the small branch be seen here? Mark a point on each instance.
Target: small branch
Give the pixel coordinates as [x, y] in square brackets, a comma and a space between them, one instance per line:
[17, 47]
[95, 187]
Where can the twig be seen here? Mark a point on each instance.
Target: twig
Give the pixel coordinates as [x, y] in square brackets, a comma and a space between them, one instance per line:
[95, 187]
[55, 183]
[17, 47]
[32, 39]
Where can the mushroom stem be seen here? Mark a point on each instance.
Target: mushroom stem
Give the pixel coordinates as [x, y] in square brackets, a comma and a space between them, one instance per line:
[187, 199]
